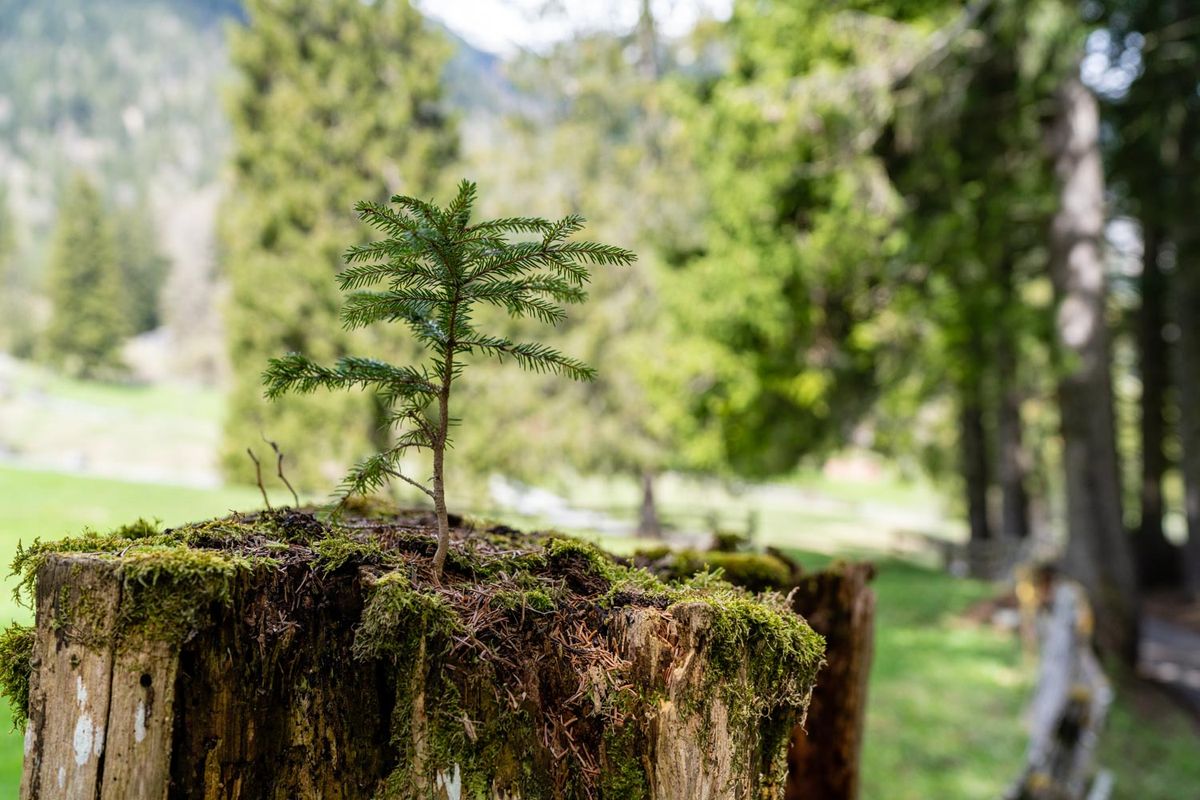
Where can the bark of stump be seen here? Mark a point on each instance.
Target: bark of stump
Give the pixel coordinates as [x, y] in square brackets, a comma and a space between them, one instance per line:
[825, 751]
[269, 702]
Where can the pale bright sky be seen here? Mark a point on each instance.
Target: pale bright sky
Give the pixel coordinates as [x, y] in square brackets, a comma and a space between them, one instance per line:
[503, 26]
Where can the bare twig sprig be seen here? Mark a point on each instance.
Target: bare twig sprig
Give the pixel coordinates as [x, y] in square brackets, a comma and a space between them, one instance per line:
[279, 470]
[258, 477]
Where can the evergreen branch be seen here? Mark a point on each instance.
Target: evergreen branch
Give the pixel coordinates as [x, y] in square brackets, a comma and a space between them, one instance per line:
[364, 308]
[372, 474]
[387, 219]
[577, 274]
[531, 356]
[572, 223]
[558, 289]
[421, 437]
[498, 291]
[512, 225]
[295, 373]
[460, 207]
[538, 307]
[384, 250]
[513, 260]
[363, 275]
[407, 231]
[428, 212]
[596, 253]
[389, 251]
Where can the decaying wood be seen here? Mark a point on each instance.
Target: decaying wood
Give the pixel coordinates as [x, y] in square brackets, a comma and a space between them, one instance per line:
[69, 691]
[823, 760]
[269, 703]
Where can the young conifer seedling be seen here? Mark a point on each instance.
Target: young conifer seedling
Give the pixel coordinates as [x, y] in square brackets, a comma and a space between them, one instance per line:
[430, 272]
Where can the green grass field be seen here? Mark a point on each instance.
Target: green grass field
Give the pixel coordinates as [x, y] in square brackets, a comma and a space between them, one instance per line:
[946, 697]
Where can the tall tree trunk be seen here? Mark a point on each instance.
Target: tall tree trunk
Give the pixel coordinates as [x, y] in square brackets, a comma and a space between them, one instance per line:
[1098, 551]
[973, 444]
[648, 523]
[1158, 559]
[1186, 289]
[1010, 449]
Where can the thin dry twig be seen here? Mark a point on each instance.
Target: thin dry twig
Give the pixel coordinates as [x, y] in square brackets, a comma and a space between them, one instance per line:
[258, 476]
[279, 468]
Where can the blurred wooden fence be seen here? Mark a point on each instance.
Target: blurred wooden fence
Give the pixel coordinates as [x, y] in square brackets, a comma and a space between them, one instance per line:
[1069, 708]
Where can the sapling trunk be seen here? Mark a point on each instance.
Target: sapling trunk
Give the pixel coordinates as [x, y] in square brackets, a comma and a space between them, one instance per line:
[439, 455]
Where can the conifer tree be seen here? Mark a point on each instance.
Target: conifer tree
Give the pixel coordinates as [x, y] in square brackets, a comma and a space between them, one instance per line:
[88, 323]
[143, 266]
[437, 268]
[338, 101]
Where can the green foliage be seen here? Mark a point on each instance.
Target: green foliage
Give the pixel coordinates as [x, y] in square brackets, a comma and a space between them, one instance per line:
[28, 559]
[438, 269]
[777, 360]
[143, 266]
[776, 648]
[537, 600]
[335, 102]
[88, 323]
[979, 192]
[16, 666]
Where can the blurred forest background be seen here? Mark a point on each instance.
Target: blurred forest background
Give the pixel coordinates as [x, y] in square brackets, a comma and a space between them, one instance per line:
[914, 275]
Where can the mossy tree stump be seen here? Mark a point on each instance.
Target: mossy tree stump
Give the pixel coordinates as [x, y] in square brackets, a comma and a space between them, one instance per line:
[278, 656]
[826, 750]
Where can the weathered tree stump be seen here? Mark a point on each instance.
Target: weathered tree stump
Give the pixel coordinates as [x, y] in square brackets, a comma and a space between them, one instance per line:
[276, 656]
[826, 751]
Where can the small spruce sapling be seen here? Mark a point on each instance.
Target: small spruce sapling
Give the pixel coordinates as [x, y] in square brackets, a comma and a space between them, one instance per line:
[431, 271]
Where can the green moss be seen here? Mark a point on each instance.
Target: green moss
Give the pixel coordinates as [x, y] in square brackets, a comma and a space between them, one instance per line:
[652, 553]
[754, 571]
[777, 650]
[757, 572]
[623, 776]
[16, 667]
[341, 548]
[29, 559]
[729, 541]
[573, 553]
[537, 599]
[397, 617]
[170, 591]
[368, 507]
